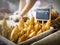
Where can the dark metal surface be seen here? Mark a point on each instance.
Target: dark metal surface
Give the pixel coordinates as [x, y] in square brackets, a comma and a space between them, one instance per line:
[4, 41]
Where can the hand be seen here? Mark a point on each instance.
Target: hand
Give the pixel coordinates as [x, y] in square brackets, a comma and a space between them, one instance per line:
[18, 18]
[15, 17]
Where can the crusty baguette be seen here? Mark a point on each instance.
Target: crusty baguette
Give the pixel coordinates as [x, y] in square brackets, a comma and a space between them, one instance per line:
[14, 34]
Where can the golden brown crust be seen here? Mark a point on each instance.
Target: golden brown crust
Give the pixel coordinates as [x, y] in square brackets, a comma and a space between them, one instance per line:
[54, 14]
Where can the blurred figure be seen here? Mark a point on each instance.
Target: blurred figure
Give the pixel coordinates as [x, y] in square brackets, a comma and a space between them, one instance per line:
[26, 7]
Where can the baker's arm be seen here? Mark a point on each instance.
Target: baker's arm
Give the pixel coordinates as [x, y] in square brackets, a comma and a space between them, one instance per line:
[27, 7]
[22, 4]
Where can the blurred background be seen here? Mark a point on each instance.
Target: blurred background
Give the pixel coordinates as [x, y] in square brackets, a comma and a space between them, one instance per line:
[12, 5]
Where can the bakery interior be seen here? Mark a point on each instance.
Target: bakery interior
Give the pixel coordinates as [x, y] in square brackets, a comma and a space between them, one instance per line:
[33, 29]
